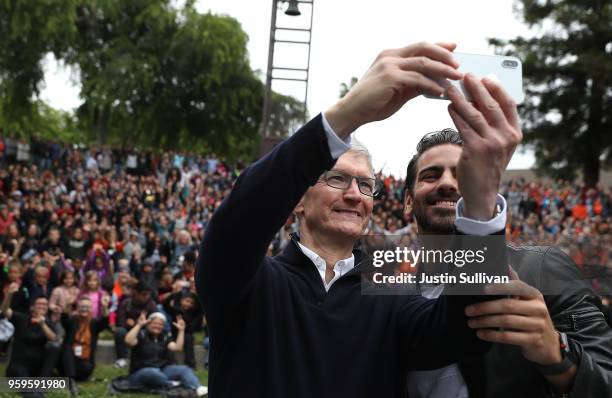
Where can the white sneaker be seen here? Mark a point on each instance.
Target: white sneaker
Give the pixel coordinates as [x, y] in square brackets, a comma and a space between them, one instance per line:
[201, 391]
[120, 363]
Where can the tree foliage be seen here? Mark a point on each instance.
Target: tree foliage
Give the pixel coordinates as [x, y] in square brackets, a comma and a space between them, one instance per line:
[287, 114]
[46, 123]
[166, 78]
[567, 71]
[29, 30]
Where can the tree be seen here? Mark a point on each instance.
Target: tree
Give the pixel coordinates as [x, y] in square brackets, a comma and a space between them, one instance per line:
[287, 114]
[169, 78]
[29, 30]
[346, 87]
[151, 74]
[567, 71]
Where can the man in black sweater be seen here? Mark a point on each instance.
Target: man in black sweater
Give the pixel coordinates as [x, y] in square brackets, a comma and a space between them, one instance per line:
[297, 325]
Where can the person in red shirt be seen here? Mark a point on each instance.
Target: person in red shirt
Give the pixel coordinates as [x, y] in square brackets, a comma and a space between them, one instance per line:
[6, 219]
[579, 212]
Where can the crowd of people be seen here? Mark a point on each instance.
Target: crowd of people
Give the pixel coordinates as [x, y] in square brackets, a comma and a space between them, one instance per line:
[85, 246]
[562, 213]
[95, 238]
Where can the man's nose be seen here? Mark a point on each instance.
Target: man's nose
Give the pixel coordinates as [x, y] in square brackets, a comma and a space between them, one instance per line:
[447, 182]
[352, 192]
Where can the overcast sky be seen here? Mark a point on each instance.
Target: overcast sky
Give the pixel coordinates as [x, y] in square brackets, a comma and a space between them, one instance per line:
[347, 36]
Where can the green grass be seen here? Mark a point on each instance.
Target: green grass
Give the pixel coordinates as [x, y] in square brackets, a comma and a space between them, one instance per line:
[97, 386]
[106, 334]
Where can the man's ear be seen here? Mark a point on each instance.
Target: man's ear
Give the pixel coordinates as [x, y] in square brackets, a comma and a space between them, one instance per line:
[299, 208]
[408, 203]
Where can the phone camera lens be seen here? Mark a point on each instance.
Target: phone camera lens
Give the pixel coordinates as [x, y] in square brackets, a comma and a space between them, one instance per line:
[509, 63]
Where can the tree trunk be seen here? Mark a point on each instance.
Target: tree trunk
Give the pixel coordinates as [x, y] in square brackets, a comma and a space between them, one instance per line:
[594, 135]
[591, 167]
[102, 124]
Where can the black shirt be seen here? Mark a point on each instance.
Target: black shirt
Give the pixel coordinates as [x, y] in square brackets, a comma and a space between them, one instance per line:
[192, 318]
[29, 339]
[150, 351]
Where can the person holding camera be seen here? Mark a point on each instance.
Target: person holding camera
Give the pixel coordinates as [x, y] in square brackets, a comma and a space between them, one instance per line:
[298, 324]
[151, 365]
[548, 333]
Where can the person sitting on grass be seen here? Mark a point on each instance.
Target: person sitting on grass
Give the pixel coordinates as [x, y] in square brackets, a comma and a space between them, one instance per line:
[151, 365]
[79, 348]
[32, 354]
[127, 315]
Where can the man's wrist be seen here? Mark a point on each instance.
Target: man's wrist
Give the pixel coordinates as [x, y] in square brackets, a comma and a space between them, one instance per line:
[483, 211]
[341, 120]
[561, 360]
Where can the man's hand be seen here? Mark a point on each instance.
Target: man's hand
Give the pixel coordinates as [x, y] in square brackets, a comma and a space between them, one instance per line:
[491, 132]
[130, 322]
[142, 319]
[177, 286]
[180, 323]
[523, 319]
[13, 287]
[395, 77]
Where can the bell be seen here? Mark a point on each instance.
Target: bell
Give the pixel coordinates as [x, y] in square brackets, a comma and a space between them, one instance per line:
[293, 9]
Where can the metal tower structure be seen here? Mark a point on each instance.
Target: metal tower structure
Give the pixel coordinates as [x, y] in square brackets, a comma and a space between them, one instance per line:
[276, 72]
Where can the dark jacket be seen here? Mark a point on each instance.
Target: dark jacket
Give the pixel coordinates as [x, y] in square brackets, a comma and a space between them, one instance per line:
[276, 332]
[129, 309]
[193, 317]
[574, 309]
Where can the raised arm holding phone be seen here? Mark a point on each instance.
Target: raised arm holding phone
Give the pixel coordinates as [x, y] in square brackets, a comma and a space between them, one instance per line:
[297, 324]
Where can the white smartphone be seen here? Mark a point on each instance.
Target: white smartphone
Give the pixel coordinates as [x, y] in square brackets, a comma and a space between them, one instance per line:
[508, 71]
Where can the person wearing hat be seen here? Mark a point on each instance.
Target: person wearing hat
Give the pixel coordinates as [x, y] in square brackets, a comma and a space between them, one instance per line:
[151, 365]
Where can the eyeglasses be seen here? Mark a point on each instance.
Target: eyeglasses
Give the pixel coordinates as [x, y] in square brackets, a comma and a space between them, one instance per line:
[340, 180]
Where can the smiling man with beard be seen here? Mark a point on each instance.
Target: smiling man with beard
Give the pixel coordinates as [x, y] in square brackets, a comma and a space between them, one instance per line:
[434, 209]
[544, 345]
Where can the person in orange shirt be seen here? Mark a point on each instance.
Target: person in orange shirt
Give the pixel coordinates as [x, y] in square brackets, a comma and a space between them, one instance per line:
[579, 212]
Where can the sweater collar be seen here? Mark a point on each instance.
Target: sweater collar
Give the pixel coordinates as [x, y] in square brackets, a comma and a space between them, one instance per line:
[292, 254]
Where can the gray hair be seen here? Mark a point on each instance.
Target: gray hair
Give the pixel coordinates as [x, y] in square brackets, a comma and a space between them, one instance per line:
[157, 315]
[359, 149]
